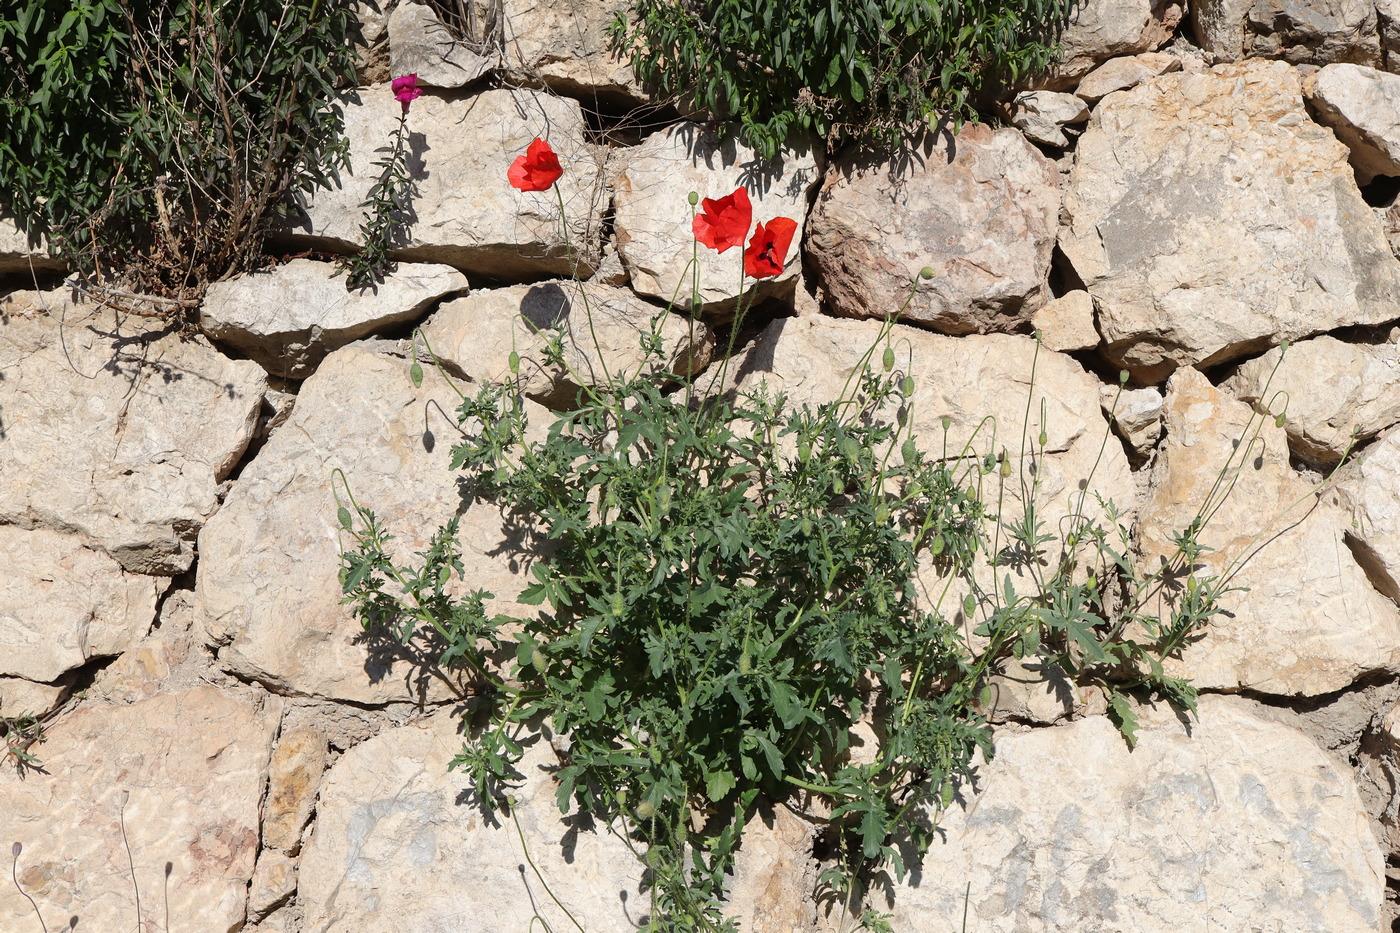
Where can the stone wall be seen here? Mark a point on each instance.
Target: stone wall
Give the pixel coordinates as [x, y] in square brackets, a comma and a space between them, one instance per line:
[1183, 194]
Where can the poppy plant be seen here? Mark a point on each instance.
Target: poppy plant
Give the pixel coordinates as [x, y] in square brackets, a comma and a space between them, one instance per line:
[724, 222]
[537, 170]
[406, 90]
[768, 248]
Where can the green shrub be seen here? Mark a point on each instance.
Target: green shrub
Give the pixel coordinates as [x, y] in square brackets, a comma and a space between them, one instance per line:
[150, 143]
[731, 592]
[844, 68]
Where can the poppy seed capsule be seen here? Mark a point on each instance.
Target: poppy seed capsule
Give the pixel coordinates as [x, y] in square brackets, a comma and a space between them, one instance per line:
[927, 272]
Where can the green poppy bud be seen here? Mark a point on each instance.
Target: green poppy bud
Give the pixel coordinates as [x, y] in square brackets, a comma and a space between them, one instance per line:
[646, 810]
[1122, 377]
[927, 272]
[1280, 420]
[889, 358]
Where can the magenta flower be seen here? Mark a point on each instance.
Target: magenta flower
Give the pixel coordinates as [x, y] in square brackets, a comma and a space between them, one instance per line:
[406, 90]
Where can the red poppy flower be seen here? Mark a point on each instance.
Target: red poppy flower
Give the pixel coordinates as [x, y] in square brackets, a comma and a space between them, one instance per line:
[768, 248]
[724, 222]
[406, 90]
[537, 170]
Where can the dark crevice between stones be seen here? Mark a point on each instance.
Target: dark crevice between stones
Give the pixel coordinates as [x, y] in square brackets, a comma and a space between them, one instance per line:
[1381, 191]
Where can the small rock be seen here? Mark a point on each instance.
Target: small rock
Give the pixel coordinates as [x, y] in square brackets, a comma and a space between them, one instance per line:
[1333, 394]
[294, 776]
[420, 44]
[1362, 106]
[1136, 414]
[1066, 323]
[1119, 74]
[1043, 115]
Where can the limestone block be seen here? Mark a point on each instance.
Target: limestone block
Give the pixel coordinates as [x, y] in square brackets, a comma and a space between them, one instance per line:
[191, 767]
[980, 209]
[653, 217]
[1210, 218]
[117, 429]
[1362, 106]
[1328, 390]
[391, 804]
[61, 604]
[1306, 620]
[267, 587]
[289, 318]
[603, 328]
[462, 211]
[1239, 823]
[1105, 29]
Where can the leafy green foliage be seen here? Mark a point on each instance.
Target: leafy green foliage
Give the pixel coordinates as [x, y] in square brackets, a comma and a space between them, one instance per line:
[151, 142]
[846, 69]
[732, 592]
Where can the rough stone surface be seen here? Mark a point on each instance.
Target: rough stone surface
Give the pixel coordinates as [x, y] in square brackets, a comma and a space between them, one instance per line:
[475, 335]
[1137, 415]
[652, 219]
[62, 605]
[288, 319]
[1307, 621]
[980, 209]
[294, 776]
[420, 44]
[1362, 106]
[193, 764]
[391, 803]
[1369, 490]
[17, 257]
[117, 430]
[1209, 218]
[1328, 389]
[1043, 115]
[565, 45]
[1105, 29]
[1067, 323]
[1239, 823]
[1316, 32]
[20, 697]
[372, 55]
[1120, 74]
[267, 583]
[463, 212]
